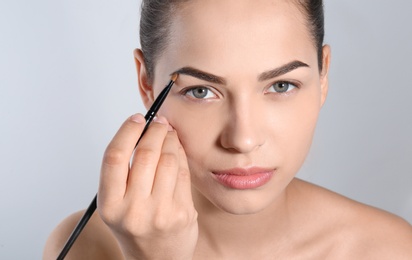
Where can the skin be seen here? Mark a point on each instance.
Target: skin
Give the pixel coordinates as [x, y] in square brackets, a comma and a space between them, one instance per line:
[170, 206]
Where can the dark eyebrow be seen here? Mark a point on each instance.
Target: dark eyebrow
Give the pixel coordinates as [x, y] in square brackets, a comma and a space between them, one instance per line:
[220, 80]
[201, 75]
[281, 70]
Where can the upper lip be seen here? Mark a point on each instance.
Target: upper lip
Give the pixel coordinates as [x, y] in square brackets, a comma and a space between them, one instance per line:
[243, 171]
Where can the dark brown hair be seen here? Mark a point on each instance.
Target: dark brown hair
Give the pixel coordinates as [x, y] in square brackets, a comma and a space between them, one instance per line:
[156, 19]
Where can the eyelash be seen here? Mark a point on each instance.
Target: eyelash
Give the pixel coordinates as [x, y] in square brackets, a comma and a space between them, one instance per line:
[185, 92]
[286, 92]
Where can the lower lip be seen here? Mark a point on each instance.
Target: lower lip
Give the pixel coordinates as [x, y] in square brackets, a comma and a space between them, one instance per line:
[243, 182]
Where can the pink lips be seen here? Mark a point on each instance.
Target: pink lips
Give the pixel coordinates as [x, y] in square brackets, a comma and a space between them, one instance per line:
[242, 179]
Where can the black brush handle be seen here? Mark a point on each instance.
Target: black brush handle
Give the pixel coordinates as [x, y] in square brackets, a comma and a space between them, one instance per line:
[79, 227]
[93, 205]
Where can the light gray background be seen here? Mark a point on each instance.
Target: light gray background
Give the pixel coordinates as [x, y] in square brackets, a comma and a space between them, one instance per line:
[67, 82]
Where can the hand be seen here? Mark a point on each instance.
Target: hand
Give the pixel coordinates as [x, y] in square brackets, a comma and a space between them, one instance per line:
[148, 205]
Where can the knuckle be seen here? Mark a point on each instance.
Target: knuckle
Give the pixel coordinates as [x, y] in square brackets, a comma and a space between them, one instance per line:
[161, 222]
[145, 156]
[106, 216]
[133, 225]
[184, 174]
[183, 217]
[113, 156]
[126, 228]
[193, 216]
[109, 215]
[164, 218]
[166, 221]
[168, 160]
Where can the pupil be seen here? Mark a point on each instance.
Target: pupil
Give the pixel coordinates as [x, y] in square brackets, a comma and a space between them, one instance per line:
[282, 87]
[200, 92]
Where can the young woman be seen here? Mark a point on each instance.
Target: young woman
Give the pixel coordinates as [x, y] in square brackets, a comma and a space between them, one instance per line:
[214, 176]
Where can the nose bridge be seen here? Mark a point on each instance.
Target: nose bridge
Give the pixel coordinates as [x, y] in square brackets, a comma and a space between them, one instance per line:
[243, 130]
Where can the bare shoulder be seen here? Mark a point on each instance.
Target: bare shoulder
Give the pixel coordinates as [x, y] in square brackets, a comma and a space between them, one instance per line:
[377, 234]
[359, 231]
[95, 242]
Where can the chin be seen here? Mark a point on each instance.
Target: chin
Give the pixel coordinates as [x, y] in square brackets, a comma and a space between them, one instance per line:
[238, 202]
[241, 209]
[249, 202]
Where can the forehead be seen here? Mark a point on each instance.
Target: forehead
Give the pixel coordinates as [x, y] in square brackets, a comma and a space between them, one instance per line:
[218, 34]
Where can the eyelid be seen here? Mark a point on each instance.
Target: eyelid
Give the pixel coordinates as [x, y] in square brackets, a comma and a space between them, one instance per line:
[295, 83]
[185, 90]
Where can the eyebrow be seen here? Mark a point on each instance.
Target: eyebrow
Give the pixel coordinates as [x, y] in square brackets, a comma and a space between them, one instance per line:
[281, 70]
[262, 77]
[201, 75]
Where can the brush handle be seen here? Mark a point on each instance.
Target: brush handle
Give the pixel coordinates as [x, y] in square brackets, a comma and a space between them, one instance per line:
[151, 114]
[79, 227]
[92, 207]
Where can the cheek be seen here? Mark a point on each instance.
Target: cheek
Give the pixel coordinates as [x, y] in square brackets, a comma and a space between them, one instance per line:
[298, 129]
[197, 128]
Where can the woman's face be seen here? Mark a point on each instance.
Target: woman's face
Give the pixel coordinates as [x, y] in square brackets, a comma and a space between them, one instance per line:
[247, 98]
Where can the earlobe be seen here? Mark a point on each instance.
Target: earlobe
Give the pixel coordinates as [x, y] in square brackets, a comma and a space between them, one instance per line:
[324, 82]
[145, 88]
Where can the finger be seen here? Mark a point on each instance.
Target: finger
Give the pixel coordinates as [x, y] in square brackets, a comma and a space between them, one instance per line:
[183, 190]
[145, 160]
[166, 172]
[115, 165]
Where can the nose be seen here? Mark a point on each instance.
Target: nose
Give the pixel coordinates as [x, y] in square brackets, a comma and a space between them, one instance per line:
[243, 131]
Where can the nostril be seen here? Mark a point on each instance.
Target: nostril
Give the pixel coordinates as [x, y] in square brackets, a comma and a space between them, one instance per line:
[241, 141]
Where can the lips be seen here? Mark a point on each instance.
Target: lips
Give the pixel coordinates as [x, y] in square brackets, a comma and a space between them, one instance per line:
[244, 178]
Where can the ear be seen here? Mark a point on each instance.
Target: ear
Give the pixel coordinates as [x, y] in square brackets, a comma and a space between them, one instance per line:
[145, 89]
[324, 81]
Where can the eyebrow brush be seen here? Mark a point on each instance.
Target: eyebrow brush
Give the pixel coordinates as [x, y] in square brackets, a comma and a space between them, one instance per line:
[157, 104]
[93, 205]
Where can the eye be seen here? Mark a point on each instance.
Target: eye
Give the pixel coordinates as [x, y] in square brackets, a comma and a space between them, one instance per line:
[199, 93]
[281, 87]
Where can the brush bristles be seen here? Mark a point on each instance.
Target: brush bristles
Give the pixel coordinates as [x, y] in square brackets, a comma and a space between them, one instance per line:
[174, 77]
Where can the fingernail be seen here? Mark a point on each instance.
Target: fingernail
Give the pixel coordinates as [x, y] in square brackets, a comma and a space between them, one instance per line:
[170, 128]
[138, 118]
[160, 119]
